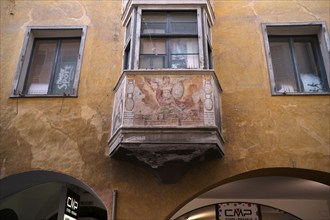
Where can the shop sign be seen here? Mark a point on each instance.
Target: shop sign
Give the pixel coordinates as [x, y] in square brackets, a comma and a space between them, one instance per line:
[71, 205]
[238, 211]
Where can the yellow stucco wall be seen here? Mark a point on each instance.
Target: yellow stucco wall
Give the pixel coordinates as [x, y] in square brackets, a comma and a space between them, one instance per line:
[70, 135]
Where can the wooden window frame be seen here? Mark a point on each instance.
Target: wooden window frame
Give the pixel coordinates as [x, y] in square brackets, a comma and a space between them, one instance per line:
[294, 60]
[34, 33]
[294, 29]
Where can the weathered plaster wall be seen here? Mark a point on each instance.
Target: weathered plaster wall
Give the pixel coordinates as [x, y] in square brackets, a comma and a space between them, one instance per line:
[70, 135]
[262, 130]
[63, 135]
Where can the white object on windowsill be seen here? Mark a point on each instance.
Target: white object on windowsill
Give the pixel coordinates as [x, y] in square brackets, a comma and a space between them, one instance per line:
[311, 82]
[285, 88]
[38, 89]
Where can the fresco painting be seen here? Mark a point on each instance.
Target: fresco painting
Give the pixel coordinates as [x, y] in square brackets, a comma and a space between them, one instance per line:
[168, 100]
[117, 116]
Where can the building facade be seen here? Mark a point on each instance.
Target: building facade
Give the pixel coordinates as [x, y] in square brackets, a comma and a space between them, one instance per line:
[164, 109]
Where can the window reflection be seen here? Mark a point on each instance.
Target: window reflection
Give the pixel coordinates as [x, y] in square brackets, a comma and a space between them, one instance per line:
[41, 66]
[184, 53]
[169, 40]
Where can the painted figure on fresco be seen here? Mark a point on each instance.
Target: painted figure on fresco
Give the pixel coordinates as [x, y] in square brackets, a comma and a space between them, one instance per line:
[167, 93]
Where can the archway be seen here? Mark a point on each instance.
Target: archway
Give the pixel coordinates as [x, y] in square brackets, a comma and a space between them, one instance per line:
[286, 189]
[45, 195]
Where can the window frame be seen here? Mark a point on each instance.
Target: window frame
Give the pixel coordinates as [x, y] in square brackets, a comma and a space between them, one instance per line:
[34, 33]
[295, 30]
[199, 35]
[168, 36]
[127, 57]
[208, 43]
[317, 58]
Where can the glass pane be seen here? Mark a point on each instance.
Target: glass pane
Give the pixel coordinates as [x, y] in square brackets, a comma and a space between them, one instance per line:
[66, 66]
[153, 28]
[128, 31]
[283, 68]
[184, 28]
[153, 46]
[184, 16]
[41, 66]
[153, 23]
[152, 62]
[208, 31]
[184, 22]
[127, 57]
[210, 56]
[154, 16]
[183, 45]
[307, 67]
[184, 62]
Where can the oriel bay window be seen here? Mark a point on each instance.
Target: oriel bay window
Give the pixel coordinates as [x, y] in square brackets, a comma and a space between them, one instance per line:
[167, 38]
[50, 62]
[166, 109]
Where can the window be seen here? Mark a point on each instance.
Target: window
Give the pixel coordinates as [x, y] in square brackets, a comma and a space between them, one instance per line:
[127, 48]
[297, 64]
[298, 59]
[169, 40]
[127, 56]
[209, 57]
[168, 36]
[50, 62]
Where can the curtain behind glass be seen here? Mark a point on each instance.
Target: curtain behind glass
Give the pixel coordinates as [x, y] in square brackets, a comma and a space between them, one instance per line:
[283, 67]
[41, 66]
[307, 68]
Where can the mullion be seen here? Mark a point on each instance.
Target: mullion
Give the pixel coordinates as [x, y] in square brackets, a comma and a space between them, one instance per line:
[295, 65]
[167, 57]
[168, 26]
[55, 67]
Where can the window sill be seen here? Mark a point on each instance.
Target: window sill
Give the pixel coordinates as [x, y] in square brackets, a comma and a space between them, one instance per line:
[168, 70]
[43, 96]
[300, 93]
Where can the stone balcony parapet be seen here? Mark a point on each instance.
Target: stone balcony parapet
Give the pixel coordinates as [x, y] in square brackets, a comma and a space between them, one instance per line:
[166, 118]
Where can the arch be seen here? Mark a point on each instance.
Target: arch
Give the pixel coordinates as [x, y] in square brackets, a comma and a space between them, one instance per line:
[8, 214]
[18, 182]
[37, 183]
[302, 174]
